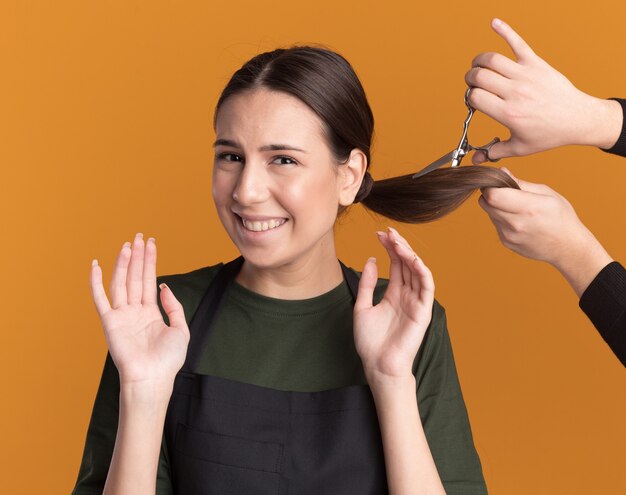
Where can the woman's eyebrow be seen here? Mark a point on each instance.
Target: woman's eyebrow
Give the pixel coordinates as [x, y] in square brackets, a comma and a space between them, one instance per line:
[268, 147]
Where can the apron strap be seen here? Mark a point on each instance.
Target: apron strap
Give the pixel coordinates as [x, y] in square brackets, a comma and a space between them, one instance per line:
[351, 279]
[209, 307]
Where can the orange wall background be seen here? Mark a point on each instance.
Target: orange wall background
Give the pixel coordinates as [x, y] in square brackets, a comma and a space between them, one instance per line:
[106, 130]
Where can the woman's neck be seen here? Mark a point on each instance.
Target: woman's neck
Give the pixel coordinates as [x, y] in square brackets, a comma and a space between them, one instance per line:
[304, 278]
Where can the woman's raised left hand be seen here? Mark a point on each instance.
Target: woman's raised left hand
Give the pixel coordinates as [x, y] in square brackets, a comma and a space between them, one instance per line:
[388, 335]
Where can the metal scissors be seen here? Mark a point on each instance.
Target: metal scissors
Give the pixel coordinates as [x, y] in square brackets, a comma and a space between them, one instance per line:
[457, 154]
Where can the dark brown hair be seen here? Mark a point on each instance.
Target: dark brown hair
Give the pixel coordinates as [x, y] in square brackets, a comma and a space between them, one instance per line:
[327, 83]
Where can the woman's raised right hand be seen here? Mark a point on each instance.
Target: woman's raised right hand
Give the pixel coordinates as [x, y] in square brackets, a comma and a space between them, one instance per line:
[144, 349]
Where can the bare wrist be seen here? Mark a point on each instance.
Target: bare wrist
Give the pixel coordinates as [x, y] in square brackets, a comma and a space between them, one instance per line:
[380, 382]
[149, 393]
[583, 262]
[604, 123]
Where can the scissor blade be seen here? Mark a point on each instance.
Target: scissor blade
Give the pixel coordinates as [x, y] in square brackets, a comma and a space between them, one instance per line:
[435, 165]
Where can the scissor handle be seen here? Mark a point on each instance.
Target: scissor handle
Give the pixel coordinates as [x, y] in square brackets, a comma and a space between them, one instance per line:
[485, 148]
[467, 103]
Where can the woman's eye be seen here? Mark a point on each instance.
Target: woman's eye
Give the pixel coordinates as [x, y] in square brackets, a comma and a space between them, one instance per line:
[285, 160]
[229, 157]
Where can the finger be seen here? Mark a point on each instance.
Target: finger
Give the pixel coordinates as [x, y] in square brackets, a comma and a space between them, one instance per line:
[134, 279]
[118, 280]
[420, 276]
[149, 291]
[395, 235]
[425, 280]
[367, 284]
[395, 267]
[496, 215]
[97, 290]
[535, 188]
[497, 62]
[405, 253]
[494, 83]
[408, 257]
[520, 48]
[489, 104]
[507, 199]
[172, 307]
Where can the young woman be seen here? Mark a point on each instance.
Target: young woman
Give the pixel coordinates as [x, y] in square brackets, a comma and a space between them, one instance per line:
[284, 371]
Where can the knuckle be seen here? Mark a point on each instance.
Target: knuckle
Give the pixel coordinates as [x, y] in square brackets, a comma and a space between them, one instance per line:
[472, 98]
[515, 227]
[478, 59]
[492, 58]
[509, 237]
[480, 75]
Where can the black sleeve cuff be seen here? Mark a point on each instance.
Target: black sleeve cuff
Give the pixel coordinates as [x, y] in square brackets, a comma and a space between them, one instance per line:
[619, 148]
[604, 302]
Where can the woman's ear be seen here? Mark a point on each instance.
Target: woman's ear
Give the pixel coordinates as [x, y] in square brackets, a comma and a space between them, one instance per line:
[351, 173]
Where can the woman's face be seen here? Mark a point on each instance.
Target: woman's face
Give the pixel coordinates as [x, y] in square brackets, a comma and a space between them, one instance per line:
[275, 182]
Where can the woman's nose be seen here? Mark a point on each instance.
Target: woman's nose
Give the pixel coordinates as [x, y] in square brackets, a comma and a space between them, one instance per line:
[252, 185]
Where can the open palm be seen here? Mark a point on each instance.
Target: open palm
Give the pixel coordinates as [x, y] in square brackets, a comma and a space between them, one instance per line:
[388, 335]
[141, 345]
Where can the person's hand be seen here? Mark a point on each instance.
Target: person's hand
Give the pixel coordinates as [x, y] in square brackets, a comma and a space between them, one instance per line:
[539, 223]
[540, 106]
[143, 348]
[387, 336]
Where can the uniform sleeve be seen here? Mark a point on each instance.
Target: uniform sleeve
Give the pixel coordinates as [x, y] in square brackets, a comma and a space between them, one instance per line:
[619, 148]
[443, 413]
[604, 302]
[100, 440]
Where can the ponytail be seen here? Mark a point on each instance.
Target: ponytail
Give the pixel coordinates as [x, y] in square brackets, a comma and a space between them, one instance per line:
[428, 197]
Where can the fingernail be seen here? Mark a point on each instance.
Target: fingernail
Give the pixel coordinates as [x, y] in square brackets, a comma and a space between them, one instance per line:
[94, 262]
[126, 244]
[162, 285]
[151, 239]
[497, 22]
[372, 259]
[380, 234]
[139, 235]
[391, 229]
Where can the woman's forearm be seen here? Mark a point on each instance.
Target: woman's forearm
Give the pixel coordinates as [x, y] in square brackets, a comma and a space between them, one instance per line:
[133, 468]
[410, 466]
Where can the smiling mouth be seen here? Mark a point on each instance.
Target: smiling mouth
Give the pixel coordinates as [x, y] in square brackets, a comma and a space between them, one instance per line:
[260, 226]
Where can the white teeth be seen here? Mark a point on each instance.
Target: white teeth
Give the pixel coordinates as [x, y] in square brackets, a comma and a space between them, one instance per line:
[261, 226]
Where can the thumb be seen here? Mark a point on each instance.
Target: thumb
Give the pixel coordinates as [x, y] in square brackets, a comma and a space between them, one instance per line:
[479, 157]
[367, 284]
[173, 308]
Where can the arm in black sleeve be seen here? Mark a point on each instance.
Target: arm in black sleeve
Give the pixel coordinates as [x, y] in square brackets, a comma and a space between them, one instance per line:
[604, 302]
[619, 148]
